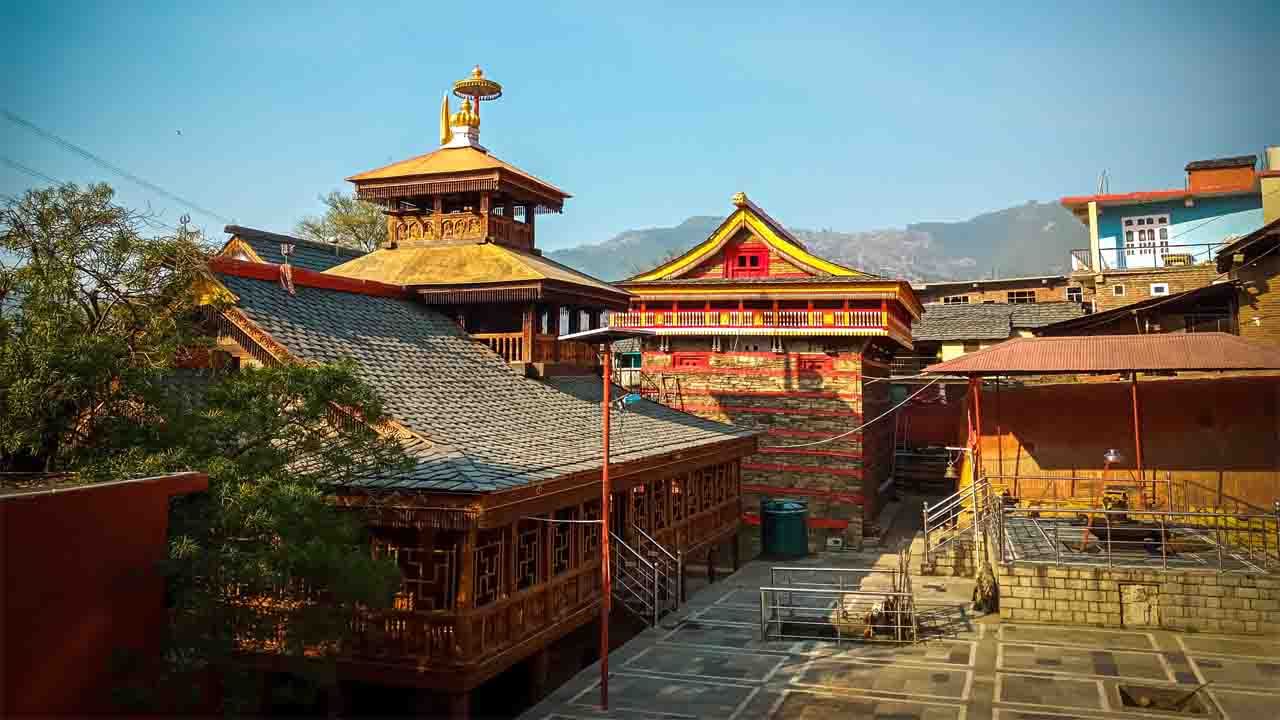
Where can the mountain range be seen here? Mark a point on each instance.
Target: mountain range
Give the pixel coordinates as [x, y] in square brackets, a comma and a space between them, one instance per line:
[1031, 239]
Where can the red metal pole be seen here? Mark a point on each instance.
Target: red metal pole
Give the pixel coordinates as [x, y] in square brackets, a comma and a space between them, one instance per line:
[976, 384]
[1137, 428]
[606, 582]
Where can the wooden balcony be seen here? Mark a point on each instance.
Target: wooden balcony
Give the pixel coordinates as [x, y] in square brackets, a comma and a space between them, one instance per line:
[409, 229]
[752, 320]
[543, 349]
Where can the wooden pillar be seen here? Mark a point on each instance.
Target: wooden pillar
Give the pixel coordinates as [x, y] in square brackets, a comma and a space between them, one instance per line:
[465, 599]
[530, 314]
[734, 549]
[539, 672]
[460, 705]
[513, 552]
[711, 564]
[437, 205]
[484, 216]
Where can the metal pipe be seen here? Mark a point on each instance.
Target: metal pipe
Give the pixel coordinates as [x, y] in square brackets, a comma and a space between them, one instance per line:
[1137, 428]
[605, 580]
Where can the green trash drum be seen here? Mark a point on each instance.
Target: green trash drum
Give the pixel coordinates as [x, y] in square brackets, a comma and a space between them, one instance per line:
[784, 531]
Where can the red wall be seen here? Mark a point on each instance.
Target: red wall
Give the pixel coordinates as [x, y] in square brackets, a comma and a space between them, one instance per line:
[78, 579]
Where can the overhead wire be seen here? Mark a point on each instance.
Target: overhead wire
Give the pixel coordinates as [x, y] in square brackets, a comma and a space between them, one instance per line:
[870, 422]
[105, 164]
[42, 176]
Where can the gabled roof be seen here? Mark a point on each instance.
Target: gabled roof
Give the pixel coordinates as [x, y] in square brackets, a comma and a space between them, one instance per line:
[748, 215]
[995, 321]
[261, 246]
[1227, 162]
[481, 427]
[1258, 240]
[1114, 354]
[485, 265]
[454, 163]
[1075, 325]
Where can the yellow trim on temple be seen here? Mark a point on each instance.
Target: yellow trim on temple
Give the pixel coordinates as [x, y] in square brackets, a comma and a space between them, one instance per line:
[746, 216]
[236, 246]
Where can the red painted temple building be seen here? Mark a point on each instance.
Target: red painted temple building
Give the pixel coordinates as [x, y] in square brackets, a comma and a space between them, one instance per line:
[753, 329]
[495, 526]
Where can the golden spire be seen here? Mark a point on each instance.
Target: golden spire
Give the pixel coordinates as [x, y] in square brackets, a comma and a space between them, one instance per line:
[446, 132]
[466, 116]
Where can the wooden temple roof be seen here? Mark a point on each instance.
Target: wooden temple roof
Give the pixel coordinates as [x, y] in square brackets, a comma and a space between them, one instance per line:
[255, 245]
[471, 424]
[456, 169]
[449, 274]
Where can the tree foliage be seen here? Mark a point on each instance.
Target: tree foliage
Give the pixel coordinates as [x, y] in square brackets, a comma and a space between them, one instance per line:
[96, 325]
[346, 221]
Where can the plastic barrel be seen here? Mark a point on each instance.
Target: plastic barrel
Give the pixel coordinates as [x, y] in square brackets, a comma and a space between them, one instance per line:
[783, 530]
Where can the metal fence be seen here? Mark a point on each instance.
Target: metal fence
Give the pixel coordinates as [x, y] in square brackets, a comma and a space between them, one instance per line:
[1138, 539]
[805, 603]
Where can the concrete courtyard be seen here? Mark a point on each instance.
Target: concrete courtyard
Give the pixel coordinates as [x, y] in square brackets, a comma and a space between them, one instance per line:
[708, 661]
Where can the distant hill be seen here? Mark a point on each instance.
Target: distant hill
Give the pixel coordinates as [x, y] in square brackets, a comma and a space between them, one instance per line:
[1030, 239]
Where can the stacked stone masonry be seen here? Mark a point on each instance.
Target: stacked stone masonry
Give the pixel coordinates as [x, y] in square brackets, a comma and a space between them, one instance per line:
[794, 398]
[1187, 601]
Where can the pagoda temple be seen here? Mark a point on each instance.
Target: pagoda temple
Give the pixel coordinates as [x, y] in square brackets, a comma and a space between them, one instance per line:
[751, 328]
[461, 235]
[495, 526]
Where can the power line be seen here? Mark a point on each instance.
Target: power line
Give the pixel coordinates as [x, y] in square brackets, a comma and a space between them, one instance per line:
[41, 176]
[72, 147]
[865, 424]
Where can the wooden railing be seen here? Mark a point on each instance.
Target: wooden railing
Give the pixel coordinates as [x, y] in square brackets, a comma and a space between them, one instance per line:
[509, 232]
[509, 345]
[749, 318]
[546, 348]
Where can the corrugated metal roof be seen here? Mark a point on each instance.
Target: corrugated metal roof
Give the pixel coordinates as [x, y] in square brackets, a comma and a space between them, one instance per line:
[1114, 353]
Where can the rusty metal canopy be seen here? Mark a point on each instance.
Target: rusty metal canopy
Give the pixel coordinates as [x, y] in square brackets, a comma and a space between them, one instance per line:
[1114, 354]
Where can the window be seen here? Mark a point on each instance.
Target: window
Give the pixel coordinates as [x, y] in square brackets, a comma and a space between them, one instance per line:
[1146, 235]
[748, 262]
[1075, 294]
[1022, 297]
[813, 364]
[955, 300]
[1117, 290]
[1159, 289]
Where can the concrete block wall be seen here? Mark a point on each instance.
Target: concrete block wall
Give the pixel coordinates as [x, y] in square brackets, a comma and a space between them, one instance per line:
[1188, 601]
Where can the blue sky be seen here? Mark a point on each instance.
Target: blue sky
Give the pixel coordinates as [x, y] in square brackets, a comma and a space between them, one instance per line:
[830, 116]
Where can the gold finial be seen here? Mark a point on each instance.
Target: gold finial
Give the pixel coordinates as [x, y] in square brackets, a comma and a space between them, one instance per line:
[466, 116]
[446, 132]
[477, 87]
[740, 199]
[476, 72]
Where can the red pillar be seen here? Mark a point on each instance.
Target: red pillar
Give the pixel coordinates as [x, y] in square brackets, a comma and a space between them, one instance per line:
[605, 580]
[1137, 427]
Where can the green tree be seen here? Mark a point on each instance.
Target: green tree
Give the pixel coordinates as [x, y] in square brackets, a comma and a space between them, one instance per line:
[346, 221]
[96, 324]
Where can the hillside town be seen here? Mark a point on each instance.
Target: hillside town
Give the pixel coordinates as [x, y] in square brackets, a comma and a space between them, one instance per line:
[448, 476]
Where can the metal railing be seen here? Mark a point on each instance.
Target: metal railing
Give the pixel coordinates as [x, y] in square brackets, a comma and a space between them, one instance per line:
[834, 606]
[1138, 539]
[669, 567]
[1152, 254]
[961, 514]
[647, 581]
[911, 364]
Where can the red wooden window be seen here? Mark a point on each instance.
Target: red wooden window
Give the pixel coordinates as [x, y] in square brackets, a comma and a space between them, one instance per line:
[690, 360]
[747, 262]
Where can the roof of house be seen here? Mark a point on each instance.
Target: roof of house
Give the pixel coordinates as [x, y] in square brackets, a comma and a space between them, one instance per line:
[1044, 279]
[482, 426]
[987, 321]
[1114, 354]
[1227, 162]
[1075, 324]
[473, 264]
[1267, 233]
[306, 254]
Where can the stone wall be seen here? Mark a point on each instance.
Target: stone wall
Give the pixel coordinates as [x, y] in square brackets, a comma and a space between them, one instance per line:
[1137, 284]
[1189, 601]
[794, 397]
[1047, 289]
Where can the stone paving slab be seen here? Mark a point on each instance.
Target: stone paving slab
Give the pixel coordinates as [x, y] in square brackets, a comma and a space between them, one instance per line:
[709, 661]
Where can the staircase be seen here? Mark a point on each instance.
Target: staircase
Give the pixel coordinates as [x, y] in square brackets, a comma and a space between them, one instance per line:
[646, 578]
[922, 471]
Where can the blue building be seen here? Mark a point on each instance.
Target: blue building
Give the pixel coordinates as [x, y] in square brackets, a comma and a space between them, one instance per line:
[1152, 243]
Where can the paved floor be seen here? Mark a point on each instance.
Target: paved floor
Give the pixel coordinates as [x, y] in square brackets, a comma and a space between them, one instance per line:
[709, 661]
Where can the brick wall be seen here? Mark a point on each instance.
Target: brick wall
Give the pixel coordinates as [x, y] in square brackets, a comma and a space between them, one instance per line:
[1137, 284]
[1049, 291]
[1190, 601]
[1259, 297]
[795, 397]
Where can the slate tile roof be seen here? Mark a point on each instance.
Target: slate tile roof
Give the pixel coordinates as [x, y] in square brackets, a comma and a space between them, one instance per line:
[487, 428]
[996, 321]
[306, 254]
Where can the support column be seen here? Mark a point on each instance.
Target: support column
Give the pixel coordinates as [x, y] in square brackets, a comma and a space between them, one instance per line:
[484, 216]
[526, 328]
[465, 599]
[539, 672]
[1137, 430]
[460, 706]
[735, 549]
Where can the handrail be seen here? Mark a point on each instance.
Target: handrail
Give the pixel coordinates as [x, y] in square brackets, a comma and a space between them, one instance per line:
[655, 543]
